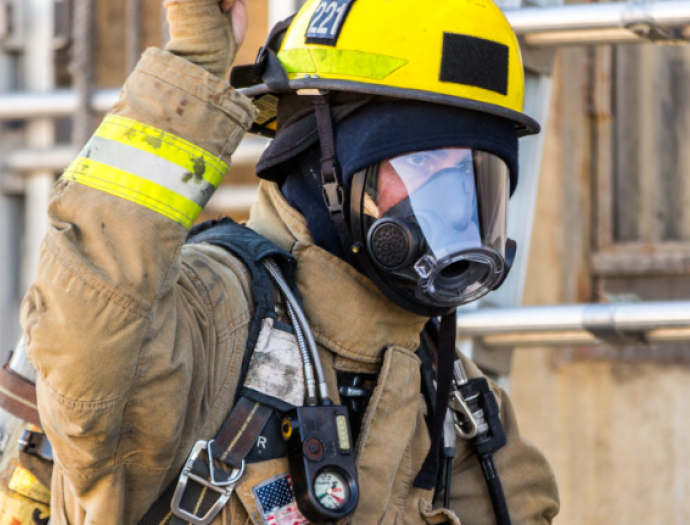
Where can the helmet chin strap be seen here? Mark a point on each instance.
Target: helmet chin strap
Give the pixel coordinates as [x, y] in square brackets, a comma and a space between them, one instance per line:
[335, 194]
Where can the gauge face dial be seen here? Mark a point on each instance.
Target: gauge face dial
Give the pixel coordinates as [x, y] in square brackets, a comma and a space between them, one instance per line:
[332, 490]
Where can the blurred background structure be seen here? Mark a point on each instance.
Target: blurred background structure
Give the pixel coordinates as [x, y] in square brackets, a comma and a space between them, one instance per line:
[602, 216]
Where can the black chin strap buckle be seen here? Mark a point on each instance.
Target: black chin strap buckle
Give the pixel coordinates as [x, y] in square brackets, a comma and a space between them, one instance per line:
[334, 197]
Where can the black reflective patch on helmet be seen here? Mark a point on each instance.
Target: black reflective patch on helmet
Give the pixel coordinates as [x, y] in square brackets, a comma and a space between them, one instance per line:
[473, 61]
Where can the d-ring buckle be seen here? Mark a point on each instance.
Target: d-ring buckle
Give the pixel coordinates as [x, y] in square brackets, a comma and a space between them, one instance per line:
[234, 476]
[225, 491]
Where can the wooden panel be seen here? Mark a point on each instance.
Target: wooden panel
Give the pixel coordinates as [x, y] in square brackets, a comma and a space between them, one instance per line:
[602, 145]
[110, 44]
[652, 116]
[110, 36]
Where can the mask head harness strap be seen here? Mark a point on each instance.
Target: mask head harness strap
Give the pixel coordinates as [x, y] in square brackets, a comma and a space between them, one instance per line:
[445, 346]
[335, 194]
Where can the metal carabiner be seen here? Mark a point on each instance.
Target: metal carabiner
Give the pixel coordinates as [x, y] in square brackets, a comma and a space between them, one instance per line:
[459, 406]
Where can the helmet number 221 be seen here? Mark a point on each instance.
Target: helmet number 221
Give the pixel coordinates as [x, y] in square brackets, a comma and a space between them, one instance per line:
[327, 20]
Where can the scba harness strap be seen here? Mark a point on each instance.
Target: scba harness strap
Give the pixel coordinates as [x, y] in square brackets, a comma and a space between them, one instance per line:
[202, 489]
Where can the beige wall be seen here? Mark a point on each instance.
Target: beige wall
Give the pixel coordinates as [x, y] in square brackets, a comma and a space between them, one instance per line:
[617, 433]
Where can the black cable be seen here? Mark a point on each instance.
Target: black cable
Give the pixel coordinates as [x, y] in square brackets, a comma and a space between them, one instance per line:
[493, 483]
[446, 496]
[427, 477]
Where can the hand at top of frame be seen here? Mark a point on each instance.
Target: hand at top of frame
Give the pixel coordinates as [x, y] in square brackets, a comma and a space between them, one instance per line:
[207, 32]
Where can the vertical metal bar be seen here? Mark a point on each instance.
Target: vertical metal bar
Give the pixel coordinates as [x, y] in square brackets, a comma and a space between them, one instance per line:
[10, 217]
[132, 33]
[82, 70]
[279, 10]
[39, 71]
[165, 27]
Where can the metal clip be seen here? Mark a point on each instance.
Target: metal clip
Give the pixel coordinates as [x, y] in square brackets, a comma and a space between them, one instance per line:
[459, 407]
[35, 444]
[224, 490]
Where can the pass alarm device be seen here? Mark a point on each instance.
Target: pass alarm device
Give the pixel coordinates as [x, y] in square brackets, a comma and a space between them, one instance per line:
[322, 464]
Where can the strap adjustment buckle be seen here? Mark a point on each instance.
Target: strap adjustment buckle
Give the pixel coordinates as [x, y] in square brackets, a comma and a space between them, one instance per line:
[35, 444]
[224, 489]
[334, 196]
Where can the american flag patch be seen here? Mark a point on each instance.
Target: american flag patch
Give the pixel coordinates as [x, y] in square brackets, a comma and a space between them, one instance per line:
[276, 501]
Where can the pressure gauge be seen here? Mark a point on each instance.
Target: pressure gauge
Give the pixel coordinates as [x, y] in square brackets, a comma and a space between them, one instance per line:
[332, 490]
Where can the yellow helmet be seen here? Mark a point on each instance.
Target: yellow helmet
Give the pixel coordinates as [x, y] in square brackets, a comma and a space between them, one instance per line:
[453, 52]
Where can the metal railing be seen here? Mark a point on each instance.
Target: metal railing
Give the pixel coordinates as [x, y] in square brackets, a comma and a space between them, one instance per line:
[647, 323]
[616, 22]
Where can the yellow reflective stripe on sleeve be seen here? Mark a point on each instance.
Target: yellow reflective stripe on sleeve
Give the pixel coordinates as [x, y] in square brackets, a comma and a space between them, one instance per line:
[133, 188]
[151, 140]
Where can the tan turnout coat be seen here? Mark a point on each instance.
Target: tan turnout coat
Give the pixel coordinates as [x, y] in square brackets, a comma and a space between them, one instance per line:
[138, 341]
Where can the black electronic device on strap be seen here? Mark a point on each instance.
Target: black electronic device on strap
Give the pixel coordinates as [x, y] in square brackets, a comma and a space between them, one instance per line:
[322, 465]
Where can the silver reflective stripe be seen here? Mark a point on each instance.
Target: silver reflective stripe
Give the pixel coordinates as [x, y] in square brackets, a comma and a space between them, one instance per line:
[154, 169]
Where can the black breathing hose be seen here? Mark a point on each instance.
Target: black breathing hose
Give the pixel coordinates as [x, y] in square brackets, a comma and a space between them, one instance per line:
[493, 483]
[446, 496]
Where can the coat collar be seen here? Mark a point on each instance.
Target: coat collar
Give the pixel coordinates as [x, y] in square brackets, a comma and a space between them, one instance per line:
[347, 313]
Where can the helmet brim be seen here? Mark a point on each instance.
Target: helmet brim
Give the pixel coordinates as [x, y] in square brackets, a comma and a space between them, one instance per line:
[525, 124]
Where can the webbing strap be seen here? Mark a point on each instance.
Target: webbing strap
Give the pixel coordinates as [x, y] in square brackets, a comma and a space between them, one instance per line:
[335, 194]
[238, 435]
[427, 476]
[232, 444]
[18, 396]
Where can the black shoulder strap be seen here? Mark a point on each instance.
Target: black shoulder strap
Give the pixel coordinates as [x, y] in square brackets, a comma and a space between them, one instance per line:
[251, 248]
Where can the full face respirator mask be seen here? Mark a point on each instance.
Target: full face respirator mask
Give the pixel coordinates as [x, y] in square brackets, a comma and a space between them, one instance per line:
[430, 227]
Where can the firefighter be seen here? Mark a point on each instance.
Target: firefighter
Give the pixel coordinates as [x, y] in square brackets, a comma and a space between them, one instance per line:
[383, 196]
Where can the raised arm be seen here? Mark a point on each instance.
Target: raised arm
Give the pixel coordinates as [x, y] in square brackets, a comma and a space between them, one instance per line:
[110, 277]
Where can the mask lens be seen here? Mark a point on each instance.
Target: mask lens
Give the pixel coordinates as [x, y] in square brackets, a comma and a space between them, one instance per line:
[435, 223]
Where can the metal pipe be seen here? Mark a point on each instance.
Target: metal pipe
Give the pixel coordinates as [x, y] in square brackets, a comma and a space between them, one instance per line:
[57, 103]
[645, 323]
[279, 10]
[602, 23]
[675, 13]
[39, 70]
[55, 159]
[132, 33]
[58, 158]
[82, 71]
